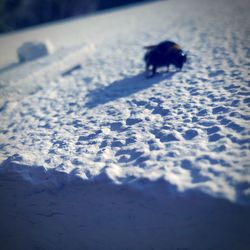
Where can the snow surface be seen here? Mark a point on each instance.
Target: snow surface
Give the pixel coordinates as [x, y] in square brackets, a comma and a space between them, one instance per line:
[88, 114]
[102, 116]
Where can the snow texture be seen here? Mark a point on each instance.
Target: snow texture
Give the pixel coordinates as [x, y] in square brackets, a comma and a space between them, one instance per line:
[90, 112]
[94, 155]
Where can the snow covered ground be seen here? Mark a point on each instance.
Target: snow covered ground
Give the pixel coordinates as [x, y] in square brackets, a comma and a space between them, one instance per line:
[94, 155]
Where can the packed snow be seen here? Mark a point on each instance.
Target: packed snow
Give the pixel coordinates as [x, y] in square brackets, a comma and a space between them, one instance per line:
[88, 114]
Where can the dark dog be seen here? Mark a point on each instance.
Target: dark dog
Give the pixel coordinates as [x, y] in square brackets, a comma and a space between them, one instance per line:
[164, 54]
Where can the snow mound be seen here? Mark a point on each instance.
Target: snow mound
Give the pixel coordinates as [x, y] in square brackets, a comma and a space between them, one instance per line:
[32, 50]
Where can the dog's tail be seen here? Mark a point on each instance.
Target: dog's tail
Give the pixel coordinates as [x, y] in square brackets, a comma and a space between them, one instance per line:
[149, 47]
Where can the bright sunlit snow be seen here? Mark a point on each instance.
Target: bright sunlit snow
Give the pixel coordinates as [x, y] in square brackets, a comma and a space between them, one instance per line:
[89, 111]
[94, 155]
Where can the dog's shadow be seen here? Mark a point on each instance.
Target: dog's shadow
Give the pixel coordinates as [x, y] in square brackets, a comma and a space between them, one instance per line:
[123, 88]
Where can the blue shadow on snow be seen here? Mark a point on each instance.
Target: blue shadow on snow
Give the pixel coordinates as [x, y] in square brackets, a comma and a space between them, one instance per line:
[124, 88]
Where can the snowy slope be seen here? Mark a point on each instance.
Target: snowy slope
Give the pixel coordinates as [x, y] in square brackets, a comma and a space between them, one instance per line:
[188, 128]
[88, 113]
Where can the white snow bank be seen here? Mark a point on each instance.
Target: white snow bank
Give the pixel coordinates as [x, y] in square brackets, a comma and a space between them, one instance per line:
[89, 108]
[93, 155]
[26, 79]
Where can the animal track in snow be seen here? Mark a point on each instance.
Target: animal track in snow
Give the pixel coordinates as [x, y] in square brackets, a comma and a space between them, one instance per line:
[220, 110]
[132, 121]
[190, 134]
[116, 126]
[161, 111]
[164, 136]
